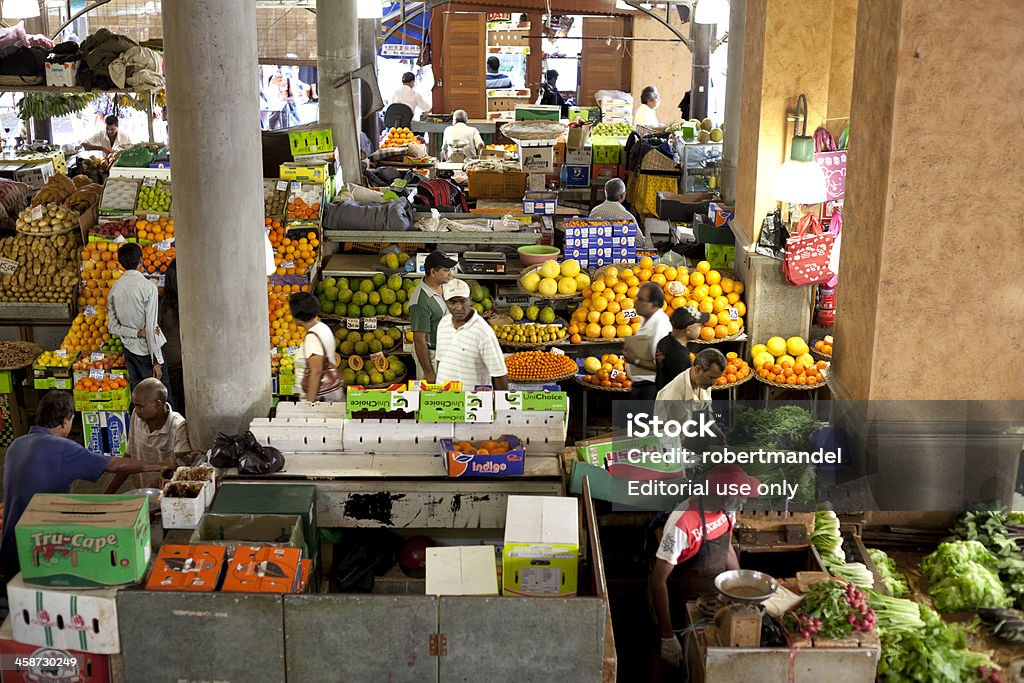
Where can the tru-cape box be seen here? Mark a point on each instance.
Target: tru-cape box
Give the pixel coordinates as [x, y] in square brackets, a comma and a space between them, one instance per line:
[81, 541]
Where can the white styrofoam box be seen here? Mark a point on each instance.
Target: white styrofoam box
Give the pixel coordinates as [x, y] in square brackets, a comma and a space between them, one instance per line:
[35, 174]
[210, 491]
[185, 513]
[83, 620]
[461, 570]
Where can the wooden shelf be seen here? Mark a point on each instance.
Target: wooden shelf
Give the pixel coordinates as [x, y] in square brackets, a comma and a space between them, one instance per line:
[364, 265]
[416, 236]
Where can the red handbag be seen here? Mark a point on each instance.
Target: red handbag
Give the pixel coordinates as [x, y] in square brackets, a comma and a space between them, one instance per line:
[807, 255]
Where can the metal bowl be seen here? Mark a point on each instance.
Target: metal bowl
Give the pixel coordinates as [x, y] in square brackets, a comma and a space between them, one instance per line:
[152, 494]
[746, 585]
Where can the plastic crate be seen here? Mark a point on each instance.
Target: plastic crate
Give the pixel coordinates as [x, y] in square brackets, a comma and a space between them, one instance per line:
[495, 185]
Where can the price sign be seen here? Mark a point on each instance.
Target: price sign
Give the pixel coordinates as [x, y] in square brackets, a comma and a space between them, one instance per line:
[369, 324]
[351, 323]
[163, 246]
[37, 212]
[292, 350]
[734, 314]
[629, 313]
[97, 355]
[273, 352]
[375, 356]
[282, 185]
[152, 217]
[149, 182]
[288, 264]
[615, 373]
[296, 186]
[96, 373]
[60, 353]
[557, 351]
[120, 239]
[89, 311]
[7, 266]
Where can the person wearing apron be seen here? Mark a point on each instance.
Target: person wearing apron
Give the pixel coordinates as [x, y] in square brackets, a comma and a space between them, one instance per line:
[695, 547]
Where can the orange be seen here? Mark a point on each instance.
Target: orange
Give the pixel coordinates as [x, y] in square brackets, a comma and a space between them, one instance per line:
[660, 268]
[714, 291]
[608, 332]
[732, 297]
[678, 302]
[645, 275]
[575, 339]
[607, 318]
[741, 308]
[623, 331]
[608, 295]
[707, 333]
[593, 330]
[697, 279]
[633, 281]
[670, 274]
[593, 316]
[597, 287]
[733, 326]
[611, 272]
[721, 331]
[719, 304]
[659, 279]
[626, 273]
[713, 277]
[738, 287]
[646, 262]
[610, 280]
[599, 304]
[627, 304]
[632, 292]
[614, 307]
[703, 267]
[712, 319]
[706, 306]
[620, 288]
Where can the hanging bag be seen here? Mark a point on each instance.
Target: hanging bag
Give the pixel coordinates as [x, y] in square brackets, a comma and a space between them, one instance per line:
[330, 377]
[807, 255]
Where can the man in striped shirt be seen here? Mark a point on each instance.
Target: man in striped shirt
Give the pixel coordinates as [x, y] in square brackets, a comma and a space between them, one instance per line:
[467, 348]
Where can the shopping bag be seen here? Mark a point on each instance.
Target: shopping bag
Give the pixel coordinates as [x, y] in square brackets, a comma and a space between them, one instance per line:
[835, 227]
[772, 240]
[807, 255]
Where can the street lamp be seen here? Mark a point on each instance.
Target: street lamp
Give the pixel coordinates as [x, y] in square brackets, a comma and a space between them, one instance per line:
[711, 12]
[800, 179]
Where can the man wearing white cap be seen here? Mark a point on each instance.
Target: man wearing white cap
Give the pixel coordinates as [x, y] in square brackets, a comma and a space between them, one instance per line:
[467, 348]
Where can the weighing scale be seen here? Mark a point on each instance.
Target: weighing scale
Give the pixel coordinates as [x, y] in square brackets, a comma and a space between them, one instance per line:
[738, 623]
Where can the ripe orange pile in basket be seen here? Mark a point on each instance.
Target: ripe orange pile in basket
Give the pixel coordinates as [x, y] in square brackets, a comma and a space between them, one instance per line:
[276, 233]
[398, 137]
[156, 261]
[794, 373]
[300, 252]
[736, 369]
[105, 384]
[824, 346]
[155, 231]
[482, 447]
[538, 365]
[299, 210]
[87, 333]
[603, 377]
[100, 270]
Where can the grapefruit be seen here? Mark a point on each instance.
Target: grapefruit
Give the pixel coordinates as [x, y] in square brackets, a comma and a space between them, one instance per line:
[776, 346]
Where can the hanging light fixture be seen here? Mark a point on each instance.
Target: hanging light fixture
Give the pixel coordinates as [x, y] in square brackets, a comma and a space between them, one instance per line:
[800, 179]
[20, 9]
[711, 12]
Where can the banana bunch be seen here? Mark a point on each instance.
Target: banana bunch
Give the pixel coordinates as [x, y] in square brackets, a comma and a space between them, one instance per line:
[46, 105]
[160, 98]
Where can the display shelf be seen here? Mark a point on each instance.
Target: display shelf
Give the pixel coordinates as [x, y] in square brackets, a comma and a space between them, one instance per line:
[417, 236]
[27, 312]
[331, 465]
[364, 265]
[73, 89]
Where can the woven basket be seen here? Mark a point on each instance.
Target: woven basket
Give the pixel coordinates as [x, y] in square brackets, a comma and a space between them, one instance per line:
[797, 387]
[533, 130]
[719, 341]
[542, 380]
[596, 387]
[643, 130]
[656, 161]
[736, 383]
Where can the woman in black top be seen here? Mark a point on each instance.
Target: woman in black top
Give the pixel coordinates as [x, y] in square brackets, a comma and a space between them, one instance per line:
[673, 357]
[168, 318]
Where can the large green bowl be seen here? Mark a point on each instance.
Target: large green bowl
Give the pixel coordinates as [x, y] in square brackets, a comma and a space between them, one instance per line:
[533, 254]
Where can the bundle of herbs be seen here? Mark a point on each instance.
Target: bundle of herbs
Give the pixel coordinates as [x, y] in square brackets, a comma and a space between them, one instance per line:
[782, 428]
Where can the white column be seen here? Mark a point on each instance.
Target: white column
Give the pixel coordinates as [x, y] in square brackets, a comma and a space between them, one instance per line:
[213, 105]
[337, 55]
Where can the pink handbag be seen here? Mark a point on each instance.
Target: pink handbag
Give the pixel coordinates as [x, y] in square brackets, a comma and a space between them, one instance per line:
[807, 255]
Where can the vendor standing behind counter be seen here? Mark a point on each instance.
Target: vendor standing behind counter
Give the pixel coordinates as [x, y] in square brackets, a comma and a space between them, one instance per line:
[426, 308]
[110, 139]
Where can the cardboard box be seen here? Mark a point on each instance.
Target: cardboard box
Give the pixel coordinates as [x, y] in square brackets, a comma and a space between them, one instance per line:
[278, 531]
[671, 206]
[584, 113]
[461, 570]
[720, 214]
[456, 406]
[537, 159]
[543, 401]
[105, 432]
[60, 162]
[495, 185]
[259, 569]
[720, 255]
[538, 112]
[305, 172]
[317, 141]
[560, 152]
[509, 463]
[41, 664]
[61, 75]
[541, 553]
[279, 499]
[184, 512]
[381, 400]
[35, 174]
[628, 457]
[84, 620]
[536, 182]
[74, 541]
[604, 172]
[579, 157]
[540, 203]
[192, 568]
[606, 150]
[577, 176]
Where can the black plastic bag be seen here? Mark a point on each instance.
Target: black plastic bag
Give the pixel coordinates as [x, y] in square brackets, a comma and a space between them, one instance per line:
[772, 240]
[245, 453]
[225, 452]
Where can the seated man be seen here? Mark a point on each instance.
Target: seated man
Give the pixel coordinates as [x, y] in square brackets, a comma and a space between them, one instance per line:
[461, 141]
[156, 433]
[612, 209]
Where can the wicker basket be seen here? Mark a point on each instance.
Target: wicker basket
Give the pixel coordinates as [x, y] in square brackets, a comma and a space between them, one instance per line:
[734, 384]
[797, 387]
[730, 338]
[597, 387]
[656, 161]
[555, 297]
[643, 130]
[533, 130]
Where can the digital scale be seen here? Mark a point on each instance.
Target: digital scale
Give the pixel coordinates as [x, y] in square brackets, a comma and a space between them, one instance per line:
[483, 262]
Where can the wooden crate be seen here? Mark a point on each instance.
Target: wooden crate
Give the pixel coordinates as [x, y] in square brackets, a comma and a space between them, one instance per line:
[774, 520]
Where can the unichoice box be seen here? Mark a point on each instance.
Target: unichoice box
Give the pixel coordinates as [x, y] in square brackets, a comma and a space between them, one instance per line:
[84, 620]
[540, 557]
[80, 541]
[456, 406]
[636, 458]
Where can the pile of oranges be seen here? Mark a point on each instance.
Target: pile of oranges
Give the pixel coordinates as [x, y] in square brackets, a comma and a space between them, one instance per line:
[398, 137]
[100, 270]
[824, 346]
[793, 373]
[108, 383]
[300, 253]
[155, 231]
[736, 369]
[87, 333]
[284, 330]
[482, 447]
[603, 313]
[155, 260]
[299, 210]
[603, 377]
[537, 365]
[276, 231]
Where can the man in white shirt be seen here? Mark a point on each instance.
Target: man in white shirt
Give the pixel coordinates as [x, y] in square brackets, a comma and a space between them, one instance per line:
[643, 372]
[467, 348]
[461, 137]
[109, 139]
[690, 392]
[409, 97]
[649, 101]
[611, 208]
[132, 308]
[155, 435]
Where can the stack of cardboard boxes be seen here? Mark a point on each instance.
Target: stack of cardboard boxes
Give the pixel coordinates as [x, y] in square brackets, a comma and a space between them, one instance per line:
[596, 243]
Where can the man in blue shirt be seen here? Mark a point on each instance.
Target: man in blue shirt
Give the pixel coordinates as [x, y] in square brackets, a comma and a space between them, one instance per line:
[495, 79]
[46, 461]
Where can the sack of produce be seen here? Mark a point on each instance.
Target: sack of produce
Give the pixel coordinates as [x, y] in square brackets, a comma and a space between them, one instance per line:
[136, 157]
[395, 216]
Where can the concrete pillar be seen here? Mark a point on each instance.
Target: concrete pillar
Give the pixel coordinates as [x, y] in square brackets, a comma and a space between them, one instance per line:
[931, 254]
[213, 90]
[369, 35]
[733, 88]
[337, 41]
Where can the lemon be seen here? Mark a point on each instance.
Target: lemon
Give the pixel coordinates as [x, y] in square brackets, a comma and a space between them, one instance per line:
[570, 268]
[531, 281]
[796, 346]
[550, 269]
[582, 281]
[567, 285]
[548, 287]
[776, 346]
[761, 358]
[592, 365]
[757, 349]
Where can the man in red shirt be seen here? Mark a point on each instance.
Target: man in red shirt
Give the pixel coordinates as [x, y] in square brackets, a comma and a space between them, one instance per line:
[698, 539]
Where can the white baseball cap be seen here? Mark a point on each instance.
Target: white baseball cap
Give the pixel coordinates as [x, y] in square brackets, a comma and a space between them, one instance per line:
[454, 288]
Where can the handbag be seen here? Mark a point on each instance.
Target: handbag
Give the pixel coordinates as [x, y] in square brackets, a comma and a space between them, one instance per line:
[807, 255]
[331, 378]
